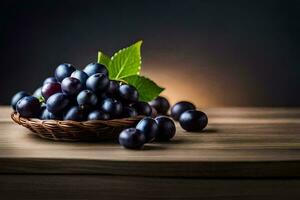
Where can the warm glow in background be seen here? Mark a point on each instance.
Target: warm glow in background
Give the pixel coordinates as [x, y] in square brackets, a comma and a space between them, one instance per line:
[180, 86]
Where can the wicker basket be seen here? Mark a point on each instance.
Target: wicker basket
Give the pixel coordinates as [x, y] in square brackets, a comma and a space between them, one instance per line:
[76, 131]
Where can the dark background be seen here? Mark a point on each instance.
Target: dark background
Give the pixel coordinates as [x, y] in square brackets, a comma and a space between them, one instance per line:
[215, 53]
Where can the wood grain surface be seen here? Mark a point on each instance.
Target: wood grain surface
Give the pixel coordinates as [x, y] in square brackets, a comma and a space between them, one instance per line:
[238, 142]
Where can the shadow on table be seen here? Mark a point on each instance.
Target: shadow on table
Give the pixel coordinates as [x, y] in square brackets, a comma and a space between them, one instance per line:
[210, 130]
[153, 146]
[48, 141]
[156, 145]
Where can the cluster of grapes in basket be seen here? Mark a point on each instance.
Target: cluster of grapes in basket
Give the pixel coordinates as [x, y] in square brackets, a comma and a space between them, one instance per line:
[81, 95]
[89, 94]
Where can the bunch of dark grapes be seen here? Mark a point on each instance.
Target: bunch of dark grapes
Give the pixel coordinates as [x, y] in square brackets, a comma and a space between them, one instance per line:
[81, 95]
[88, 94]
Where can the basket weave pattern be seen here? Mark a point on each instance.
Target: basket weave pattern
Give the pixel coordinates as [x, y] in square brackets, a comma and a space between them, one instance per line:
[76, 131]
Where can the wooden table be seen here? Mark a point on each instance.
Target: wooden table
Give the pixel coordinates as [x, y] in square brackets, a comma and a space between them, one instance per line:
[244, 153]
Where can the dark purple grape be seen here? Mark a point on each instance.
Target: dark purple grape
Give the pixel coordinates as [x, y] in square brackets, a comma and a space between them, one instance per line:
[46, 115]
[57, 103]
[129, 112]
[63, 70]
[131, 138]
[98, 83]
[112, 89]
[38, 93]
[128, 93]
[148, 127]
[75, 113]
[71, 86]
[50, 80]
[153, 112]
[142, 108]
[193, 120]
[87, 99]
[81, 76]
[161, 104]
[29, 107]
[17, 97]
[95, 68]
[180, 107]
[166, 128]
[101, 97]
[49, 89]
[98, 115]
[112, 106]
[118, 109]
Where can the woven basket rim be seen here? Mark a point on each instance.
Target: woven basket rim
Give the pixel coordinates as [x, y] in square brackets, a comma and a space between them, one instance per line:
[15, 115]
[68, 130]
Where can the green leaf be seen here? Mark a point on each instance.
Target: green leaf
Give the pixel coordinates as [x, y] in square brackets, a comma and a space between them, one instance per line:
[125, 66]
[103, 59]
[148, 90]
[126, 62]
